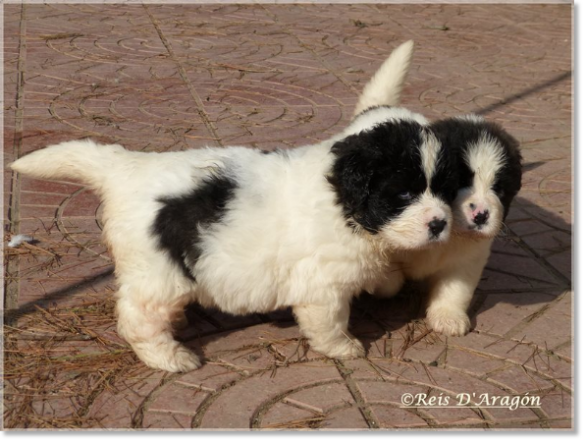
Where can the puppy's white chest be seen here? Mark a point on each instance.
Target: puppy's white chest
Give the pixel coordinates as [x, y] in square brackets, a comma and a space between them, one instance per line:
[419, 265]
[457, 252]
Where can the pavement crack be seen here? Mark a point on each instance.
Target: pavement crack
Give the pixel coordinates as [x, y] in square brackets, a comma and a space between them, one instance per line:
[12, 285]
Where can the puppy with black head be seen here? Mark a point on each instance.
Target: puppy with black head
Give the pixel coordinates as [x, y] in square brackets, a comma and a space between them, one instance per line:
[249, 232]
[392, 171]
[485, 161]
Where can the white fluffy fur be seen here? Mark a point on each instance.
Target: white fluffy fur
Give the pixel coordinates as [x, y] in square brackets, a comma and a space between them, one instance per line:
[385, 87]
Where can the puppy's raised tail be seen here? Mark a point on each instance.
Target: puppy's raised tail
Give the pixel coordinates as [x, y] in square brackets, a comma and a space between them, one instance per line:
[385, 87]
[80, 160]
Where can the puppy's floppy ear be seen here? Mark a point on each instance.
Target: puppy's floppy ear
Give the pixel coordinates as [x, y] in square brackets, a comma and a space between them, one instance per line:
[510, 176]
[512, 148]
[352, 172]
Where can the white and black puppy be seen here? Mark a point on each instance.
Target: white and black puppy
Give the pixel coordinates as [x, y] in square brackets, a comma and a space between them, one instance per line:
[490, 176]
[490, 173]
[249, 231]
[487, 168]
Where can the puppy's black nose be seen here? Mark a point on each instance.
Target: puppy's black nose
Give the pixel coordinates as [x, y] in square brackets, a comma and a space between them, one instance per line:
[436, 226]
[481, 218]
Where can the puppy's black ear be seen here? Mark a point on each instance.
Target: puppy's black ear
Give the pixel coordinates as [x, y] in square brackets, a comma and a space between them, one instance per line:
[510, 176]
[512, 150]
[351, 174]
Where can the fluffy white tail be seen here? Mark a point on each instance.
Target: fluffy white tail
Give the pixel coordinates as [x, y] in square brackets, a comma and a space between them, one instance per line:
[80, 160]
[385, 87]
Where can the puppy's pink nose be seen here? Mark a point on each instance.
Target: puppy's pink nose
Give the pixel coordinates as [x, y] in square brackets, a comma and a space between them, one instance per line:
[481, 218]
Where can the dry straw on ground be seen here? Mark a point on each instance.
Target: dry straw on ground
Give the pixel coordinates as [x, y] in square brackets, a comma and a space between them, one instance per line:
[57, 361]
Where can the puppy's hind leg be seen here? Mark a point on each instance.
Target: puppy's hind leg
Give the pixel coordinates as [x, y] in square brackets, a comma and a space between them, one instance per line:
[326, 328]
[146, 323]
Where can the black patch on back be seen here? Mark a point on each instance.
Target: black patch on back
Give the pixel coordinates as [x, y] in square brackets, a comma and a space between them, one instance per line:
[371, 108]
[179, 221]
[458, 135]
[276, 151]
[374, 168]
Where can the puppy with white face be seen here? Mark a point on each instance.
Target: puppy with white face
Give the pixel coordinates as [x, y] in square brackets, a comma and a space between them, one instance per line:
[490, 173]
[249, 231]
[486, 165]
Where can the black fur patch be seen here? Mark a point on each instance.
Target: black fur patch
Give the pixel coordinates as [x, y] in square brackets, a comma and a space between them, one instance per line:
[458, 135]
[371, 108]
[271, 152]
[179, 221]
[445, 180]
[377, 173]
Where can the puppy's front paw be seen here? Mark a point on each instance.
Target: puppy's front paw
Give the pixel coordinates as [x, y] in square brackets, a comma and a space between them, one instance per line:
[174, 357]
[449, 322]
[341, 348]
[182, 361]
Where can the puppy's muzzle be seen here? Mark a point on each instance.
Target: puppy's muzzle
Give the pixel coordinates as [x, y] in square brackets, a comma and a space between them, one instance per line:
[436, 226]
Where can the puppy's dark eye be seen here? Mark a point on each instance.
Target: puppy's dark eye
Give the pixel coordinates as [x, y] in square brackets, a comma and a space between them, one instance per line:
[405, 196]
